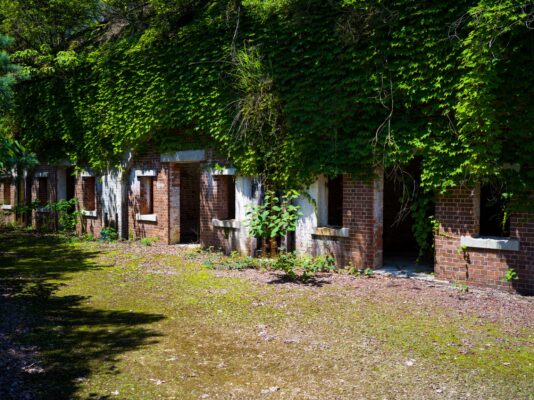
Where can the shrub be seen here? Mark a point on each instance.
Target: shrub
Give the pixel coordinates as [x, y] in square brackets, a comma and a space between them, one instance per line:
[287, 262]
[109, 234]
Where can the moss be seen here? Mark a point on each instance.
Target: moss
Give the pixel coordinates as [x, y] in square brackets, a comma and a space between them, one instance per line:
[108, 320]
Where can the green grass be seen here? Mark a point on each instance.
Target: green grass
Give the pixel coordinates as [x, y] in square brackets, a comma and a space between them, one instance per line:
[113, 323]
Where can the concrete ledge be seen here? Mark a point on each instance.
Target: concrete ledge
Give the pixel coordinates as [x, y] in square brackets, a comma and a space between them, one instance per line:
[225, 171]
[184, 156]
[491, 243]
[334, 232]
[147, 172]
[146, 217]
[226, 223]
[7, 207]
[87, 174]
[87, 213]
[41, 175]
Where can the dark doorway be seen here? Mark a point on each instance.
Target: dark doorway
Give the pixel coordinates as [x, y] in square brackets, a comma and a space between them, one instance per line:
[190, 203]
[71, 182]
[401, 191]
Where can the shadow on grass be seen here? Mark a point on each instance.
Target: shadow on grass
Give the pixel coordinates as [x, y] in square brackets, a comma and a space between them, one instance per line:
[71, 339]
[312, 281]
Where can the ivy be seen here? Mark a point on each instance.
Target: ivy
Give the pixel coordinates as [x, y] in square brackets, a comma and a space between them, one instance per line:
[292, 89]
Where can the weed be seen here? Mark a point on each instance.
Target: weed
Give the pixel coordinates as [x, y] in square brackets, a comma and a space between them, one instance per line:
[462, 287]
[511, 275]
[286, 262]
[108, 234]
[147, 241]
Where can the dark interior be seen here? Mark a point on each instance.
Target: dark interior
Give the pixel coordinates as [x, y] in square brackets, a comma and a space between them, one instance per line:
[335, 201]
[399, 243]
[492, 217]
[189, 203]
[71, 182]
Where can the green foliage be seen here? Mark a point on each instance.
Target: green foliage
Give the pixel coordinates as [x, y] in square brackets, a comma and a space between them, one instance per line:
[148, 241]
[286, 89]
[461, 287]
[288, 262]
[67, 214]
[424, 226]
[511, 275]
[275, 216]
[109, 234]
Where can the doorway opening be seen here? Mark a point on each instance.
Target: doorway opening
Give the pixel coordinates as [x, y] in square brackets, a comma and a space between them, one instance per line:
[189, 203]
[70, 183]
[401, 249]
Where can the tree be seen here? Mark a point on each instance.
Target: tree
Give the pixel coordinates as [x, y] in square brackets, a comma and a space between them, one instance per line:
[8, 75]
[12, 154]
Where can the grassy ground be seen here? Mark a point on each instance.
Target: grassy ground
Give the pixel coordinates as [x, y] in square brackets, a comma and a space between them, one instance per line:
[130, 322]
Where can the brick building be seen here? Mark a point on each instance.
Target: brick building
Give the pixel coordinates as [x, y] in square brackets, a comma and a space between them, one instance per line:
[182, 198]
[355, 222]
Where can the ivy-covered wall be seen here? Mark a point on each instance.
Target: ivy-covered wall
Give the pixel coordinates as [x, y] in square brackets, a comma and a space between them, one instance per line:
[291, 89]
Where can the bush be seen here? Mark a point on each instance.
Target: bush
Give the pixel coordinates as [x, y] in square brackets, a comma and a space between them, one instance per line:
[109, 234]
[289, 262]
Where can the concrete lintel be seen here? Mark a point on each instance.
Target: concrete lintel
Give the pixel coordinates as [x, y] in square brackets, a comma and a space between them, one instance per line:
[42, 210]
[491, 243]
[184, 156]
[224, 171]
[226, 223]
[329, 231]
[87, 174]
[89, 213]
[41, 174]
[7, 207]
[145, 172]
[146, 217]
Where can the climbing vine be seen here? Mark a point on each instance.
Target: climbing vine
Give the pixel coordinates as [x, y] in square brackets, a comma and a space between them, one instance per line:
[292, 89]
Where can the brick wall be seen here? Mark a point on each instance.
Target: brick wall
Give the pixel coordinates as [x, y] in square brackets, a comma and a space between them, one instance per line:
[159, 228]
[88, 190]
[213, 204]
[457, 213]
[363, 246]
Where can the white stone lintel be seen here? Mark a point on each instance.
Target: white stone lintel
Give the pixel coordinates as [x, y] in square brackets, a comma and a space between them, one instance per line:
[491, 243]
[146, 217]
[224, 171]
[226, 223]
[330, 231]
[184, 156]
[89, 213]
[145, 172]
[41, 175]
[7, 207]
[87, 174]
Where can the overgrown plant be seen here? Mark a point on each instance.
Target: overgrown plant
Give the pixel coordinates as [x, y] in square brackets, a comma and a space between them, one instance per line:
[109, 234]
[67, 214]
[511, 275]
[289, 263]
[273, 218]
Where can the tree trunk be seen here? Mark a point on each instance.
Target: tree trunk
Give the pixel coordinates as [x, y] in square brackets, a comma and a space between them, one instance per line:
[264, 247]
[273, 247]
